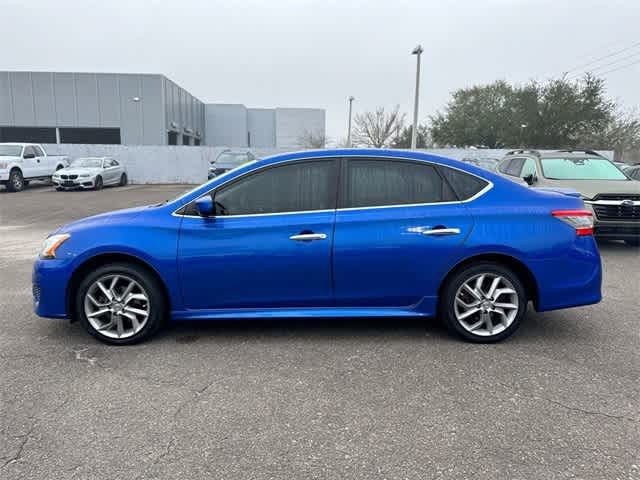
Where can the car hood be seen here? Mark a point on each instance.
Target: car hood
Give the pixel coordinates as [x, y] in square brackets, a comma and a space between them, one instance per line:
[9, 159]
[79, 171]
[127, 215]
[591, 188]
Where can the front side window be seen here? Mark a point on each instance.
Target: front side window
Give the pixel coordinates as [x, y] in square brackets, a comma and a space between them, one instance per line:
[298, 187]
[29, 151]
[372, 182]
[581, 169]
[38, 151]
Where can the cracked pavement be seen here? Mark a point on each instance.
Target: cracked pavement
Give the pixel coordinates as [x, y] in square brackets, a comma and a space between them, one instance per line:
[384, 398]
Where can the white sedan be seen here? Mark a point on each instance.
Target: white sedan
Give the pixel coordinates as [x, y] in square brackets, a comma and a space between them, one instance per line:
[93, 172]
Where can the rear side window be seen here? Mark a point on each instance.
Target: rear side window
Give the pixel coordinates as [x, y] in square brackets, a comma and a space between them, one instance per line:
[464, 184]
[372, 182]
[298, 187]
[515, 167]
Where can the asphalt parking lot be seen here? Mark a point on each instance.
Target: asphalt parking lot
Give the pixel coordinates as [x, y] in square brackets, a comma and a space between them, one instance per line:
[396, 399]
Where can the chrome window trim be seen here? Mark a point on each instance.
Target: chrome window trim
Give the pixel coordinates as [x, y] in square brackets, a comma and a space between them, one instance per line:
[487, 187]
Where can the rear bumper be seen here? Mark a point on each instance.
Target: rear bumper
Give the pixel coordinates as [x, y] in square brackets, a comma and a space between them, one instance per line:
[572, 280]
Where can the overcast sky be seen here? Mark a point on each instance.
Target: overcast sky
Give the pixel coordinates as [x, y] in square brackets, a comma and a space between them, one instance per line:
[316, 53]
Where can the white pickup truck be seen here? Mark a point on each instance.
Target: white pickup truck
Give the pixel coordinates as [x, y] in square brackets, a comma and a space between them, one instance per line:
[22, 162]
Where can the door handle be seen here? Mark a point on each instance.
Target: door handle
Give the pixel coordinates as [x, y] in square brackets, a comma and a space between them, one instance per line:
[440, 232]
[307, 237]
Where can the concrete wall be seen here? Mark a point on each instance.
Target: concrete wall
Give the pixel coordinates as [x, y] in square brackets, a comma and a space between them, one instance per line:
[178, 164]
[293, 123]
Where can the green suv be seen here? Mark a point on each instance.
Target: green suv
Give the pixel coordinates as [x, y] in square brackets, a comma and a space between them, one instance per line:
[612, 196]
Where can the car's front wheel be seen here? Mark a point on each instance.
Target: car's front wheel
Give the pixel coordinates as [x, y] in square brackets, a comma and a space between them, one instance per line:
[484, 303]
[120, 304]
[16, 181]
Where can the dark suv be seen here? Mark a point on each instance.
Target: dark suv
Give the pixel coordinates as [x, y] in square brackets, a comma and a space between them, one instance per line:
[612, 196]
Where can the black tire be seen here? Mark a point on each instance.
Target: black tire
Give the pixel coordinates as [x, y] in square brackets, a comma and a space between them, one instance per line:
[59, 189]
[123, 180]
[633, 242]
[457, 280]
[16, 181]
[26, 183]
[99, 183]
[157, 301]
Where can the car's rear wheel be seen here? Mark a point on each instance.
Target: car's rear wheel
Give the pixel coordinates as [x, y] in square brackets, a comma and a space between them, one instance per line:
[123, 179]
[120, 304]
[98, 183]
[16, 181]
[484, 303]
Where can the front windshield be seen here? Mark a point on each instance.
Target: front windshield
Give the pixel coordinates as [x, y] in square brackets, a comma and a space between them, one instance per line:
[233, 158]
[10, 150]
[87, 162]
[581, 169]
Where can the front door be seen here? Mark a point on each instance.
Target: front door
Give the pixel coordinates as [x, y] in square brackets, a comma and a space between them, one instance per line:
[269, 244]
[398, 224]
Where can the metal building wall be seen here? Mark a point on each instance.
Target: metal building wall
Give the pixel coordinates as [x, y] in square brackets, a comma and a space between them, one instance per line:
[261, 123]
[293, 123]
[143, 106]
[226, 125]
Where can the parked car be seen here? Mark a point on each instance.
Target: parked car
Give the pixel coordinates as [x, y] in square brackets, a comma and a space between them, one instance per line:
[90, 173]
[609, 193]
[229, 159]
[21, 163]
[633, 172]
[330, 233]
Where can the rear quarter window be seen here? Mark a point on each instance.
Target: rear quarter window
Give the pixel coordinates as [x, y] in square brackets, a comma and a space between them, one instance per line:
[463, 184]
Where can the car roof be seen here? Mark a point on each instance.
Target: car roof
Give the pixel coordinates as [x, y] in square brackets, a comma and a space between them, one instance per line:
[577, 154]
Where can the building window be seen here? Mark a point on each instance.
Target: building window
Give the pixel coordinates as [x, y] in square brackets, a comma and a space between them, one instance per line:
[28, 134]
[196, 141]
[186, 140]
[108, 136]
[172, 138]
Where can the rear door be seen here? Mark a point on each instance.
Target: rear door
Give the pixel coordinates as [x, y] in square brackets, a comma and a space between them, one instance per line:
[398, 224]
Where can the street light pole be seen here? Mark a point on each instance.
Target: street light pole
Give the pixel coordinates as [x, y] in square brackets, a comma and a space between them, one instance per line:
[414, 131]
[351, 99]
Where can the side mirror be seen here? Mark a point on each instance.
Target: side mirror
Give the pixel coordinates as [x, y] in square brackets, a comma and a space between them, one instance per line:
[27, 156]
[530, 179]
[204, 205]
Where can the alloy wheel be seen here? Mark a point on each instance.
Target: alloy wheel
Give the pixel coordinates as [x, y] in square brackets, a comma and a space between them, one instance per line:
[486, 304]
[117, 306]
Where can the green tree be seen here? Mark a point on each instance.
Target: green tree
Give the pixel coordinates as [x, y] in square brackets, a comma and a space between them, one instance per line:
[557, 114]
[403, 138]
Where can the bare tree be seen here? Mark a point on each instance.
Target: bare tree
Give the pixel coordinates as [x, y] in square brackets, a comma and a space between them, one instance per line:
[378, 129]
[311, 139]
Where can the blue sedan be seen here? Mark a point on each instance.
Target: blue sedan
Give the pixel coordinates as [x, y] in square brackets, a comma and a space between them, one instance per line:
[331, 233]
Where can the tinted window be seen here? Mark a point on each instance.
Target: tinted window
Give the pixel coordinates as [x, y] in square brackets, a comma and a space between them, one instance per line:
[38, 151]
[290, 188]
[28, 151]
[464, 184]
[371, 183]
[515, 167]
[114, 163]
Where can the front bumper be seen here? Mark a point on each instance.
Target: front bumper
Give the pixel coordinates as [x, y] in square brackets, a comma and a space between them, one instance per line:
[74, 184]
[4, 175]
[49, 287]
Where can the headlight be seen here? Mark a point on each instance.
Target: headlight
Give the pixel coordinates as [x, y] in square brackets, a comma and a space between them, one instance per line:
[4, 164]
[52, 243]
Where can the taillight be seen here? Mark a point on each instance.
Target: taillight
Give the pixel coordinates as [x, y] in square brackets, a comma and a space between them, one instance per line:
[581, 220]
